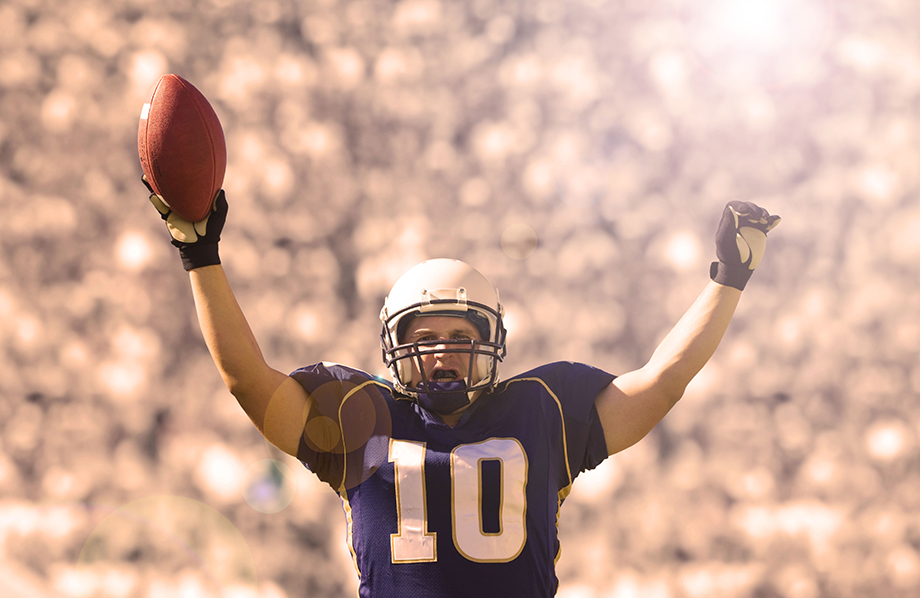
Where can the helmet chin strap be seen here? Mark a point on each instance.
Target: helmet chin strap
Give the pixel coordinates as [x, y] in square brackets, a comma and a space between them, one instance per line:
[447, 397]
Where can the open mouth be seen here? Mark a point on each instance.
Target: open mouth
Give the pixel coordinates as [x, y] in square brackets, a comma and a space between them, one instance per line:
[444, 375]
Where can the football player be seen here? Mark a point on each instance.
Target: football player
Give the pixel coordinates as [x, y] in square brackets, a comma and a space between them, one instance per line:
[451, 478]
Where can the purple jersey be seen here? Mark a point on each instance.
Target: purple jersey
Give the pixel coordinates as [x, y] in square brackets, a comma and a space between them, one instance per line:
[434, 511]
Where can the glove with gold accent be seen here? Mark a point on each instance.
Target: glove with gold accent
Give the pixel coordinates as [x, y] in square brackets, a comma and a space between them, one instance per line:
[196, 241]
[740, 242]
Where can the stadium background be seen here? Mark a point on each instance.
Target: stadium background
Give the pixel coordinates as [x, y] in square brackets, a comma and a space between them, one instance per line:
[579, 154]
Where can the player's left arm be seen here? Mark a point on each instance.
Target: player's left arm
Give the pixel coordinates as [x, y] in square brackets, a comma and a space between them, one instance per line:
[635, 402]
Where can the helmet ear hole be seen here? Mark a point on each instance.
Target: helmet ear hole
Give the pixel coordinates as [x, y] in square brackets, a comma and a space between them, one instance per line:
[484, 365]
[404, 371]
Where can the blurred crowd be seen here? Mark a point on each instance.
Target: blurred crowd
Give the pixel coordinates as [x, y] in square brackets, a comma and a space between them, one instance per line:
[579, 153]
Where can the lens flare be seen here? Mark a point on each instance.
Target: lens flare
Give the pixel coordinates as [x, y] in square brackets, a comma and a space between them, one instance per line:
[168, 538]
[269, 486]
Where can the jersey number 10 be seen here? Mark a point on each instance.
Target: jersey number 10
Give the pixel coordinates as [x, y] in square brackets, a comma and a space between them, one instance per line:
[415, 544]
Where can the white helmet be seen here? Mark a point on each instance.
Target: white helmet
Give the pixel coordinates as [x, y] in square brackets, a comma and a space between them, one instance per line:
[443, 287]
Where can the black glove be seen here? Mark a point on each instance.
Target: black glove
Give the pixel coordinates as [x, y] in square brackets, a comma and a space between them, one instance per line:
[197, 241]
[740, 242]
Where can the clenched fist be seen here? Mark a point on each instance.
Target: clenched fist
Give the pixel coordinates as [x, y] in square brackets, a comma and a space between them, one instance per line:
[740, 242]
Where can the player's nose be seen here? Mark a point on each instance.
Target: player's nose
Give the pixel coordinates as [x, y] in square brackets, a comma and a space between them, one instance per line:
[442, 350]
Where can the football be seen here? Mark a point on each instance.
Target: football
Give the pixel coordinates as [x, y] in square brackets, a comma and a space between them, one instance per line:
[181, 146]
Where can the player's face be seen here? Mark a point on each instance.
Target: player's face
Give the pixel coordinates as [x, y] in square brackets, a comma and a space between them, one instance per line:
[442, 366]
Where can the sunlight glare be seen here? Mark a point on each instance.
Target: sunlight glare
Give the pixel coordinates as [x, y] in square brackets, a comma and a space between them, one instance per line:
[758, 41]
[753, 22]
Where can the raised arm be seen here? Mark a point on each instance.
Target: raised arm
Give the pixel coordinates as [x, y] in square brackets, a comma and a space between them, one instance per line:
[635, 402]
[275, 403]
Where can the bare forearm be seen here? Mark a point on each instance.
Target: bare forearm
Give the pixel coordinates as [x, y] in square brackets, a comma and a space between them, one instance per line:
[231, 341]
[694, 339]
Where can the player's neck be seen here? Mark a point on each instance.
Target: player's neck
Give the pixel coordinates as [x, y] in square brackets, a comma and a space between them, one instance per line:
[452, 420]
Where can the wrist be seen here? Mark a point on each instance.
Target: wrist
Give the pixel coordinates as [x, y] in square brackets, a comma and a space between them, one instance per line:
[196, 255]
[729, 275]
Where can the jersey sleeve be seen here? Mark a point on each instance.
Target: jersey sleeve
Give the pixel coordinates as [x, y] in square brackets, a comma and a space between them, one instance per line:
[348, 424]
[576, 386]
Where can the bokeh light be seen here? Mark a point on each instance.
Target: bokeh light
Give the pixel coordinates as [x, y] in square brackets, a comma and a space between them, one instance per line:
[134, 250]
[268, 486]
[579, 154]
[185, 546]
[519, 241]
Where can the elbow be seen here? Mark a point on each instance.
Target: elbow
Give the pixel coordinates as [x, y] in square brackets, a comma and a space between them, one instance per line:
[671, 396]
[670, 392]
[247, 401]
[669, 384]
[236, 388]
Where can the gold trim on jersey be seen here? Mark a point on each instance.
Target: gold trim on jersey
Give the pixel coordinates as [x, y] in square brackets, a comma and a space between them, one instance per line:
[348, 395]
[342, 490]
[349, 531]
[567, 489]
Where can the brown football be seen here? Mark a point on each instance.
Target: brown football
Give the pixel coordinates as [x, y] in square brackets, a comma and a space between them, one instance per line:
[181, 146]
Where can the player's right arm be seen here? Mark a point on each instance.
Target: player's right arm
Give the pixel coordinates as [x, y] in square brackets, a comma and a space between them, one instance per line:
[275, 403]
